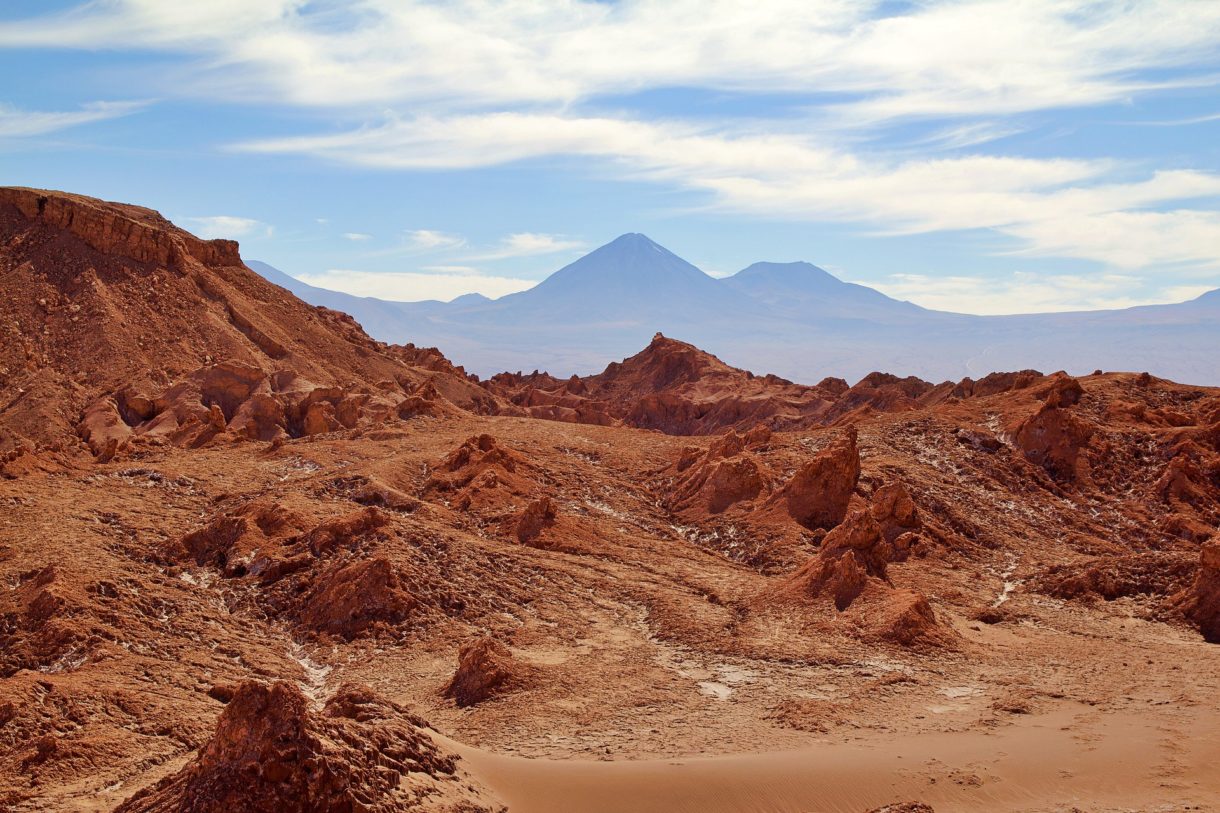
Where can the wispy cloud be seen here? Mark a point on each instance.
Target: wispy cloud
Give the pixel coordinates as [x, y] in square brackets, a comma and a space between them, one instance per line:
[227, 226]
[946, 58]
[356, 237]
[1064, 207]
[527, 244]
[17, 123]
[414, 286]
[429, 240]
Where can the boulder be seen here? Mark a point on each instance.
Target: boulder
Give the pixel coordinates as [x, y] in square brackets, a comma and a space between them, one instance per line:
[894, 511]
[537, 516]
[485, 668]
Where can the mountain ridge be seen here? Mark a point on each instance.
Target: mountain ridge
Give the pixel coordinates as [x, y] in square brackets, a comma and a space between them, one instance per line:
[792, 319]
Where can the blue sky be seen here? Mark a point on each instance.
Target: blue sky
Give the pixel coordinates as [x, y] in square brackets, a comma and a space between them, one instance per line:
[989, 157]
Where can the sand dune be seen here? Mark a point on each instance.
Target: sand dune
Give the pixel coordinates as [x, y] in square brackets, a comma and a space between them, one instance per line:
[1046, 762]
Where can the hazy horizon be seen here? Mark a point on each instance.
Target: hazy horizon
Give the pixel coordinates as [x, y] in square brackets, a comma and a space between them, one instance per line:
[354, 287]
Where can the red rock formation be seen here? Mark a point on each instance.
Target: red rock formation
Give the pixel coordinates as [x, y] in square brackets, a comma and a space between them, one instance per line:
[722, 477]
[1201, 602]
[159, 303]
[818, 494]
[537, 516]
[849, 554]
[1155, 573]
[904, 617]
[485, 478]
[272, 753]
[1062, 391]
[343, 532]
[348, 600]
[36, 627]
[475, 456]
[671, 386]
[1055, 439]
[485, 669]
[895, 512]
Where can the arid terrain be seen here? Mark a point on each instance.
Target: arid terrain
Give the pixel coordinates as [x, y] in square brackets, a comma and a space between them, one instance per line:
[253, 560]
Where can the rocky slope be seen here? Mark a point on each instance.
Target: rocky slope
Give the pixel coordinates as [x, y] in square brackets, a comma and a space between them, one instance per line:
[675, 387]
[120, 327]
[250, 592]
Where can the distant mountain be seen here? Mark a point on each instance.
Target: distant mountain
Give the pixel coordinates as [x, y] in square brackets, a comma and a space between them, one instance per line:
[792, 319]
[631, 279]
[801, 287]
[378, 317]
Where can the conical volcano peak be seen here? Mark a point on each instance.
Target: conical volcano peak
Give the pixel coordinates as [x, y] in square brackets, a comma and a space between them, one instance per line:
[634, 244]
[625, 277]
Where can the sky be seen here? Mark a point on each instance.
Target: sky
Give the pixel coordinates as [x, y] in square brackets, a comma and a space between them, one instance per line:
[982, 156]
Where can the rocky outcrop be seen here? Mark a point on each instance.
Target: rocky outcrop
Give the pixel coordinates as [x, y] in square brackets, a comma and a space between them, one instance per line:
[484, 478]
[1055, 439]
[537, 516]
[485, 669]
[818, 494]
[349, 600]
[850, 554]
[676, 388]
[111, 308]
[234, 401]
[895, 513]
[851, 570]
[36, 627]
[271, 752]
[1152, 574]
[243, 541]
[1062, 391]
[906, 618]
[1188, 476]
[1201, 601]
[120, 229]
[725, 475]
[996, 383]
[475, 456]
[345, 532]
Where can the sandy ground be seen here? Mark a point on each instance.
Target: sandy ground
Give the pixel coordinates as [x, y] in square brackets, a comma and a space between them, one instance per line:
[1071, 758]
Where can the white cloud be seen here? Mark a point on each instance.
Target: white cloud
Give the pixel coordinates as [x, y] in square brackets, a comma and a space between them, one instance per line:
[529, 244]
[356, 237]
[450, 269]
[1063, 207]
[946, 58]
[16, 123]
[227, 226]
[407, 286]
[429, 240]
[1024, 292]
